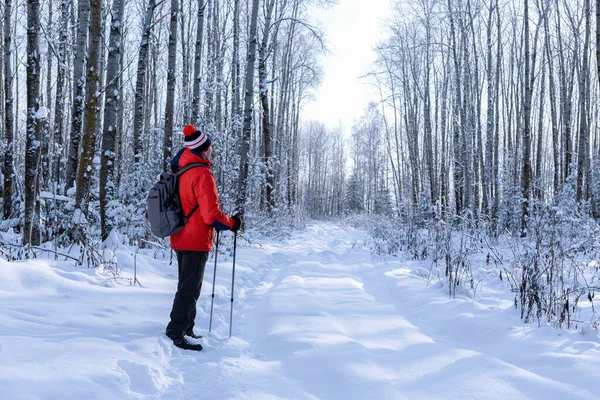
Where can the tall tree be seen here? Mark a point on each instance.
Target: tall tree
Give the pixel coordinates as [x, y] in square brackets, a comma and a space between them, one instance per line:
[553, 113]
[8, 169]
[264, 100]
[113, 100]
[60, 98]
[198, 63]
[83, 13]
[598, 38]
[32, 147]
[85, 170]
[170, 108]
[244, 147]
[526, 175]
[583, 141]
[490, 111]
[138, 110]
[235, 70]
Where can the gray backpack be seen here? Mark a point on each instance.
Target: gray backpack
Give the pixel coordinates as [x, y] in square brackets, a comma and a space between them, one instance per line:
[164, 206]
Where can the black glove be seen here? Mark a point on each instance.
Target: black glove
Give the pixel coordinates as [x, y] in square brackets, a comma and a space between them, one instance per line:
[237, 223]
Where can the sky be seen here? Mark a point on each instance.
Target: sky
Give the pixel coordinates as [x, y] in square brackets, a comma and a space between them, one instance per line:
[352, 29]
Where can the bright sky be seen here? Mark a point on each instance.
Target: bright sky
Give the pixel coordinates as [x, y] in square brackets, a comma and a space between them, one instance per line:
[352, 28]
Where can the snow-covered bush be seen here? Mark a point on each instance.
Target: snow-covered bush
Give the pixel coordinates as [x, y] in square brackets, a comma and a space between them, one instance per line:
[555, 269]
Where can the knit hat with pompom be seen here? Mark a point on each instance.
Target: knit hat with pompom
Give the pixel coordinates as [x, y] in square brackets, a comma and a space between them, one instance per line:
[195, 139]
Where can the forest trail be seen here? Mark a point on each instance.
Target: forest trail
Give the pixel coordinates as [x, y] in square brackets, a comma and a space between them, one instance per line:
[316, 317]
[325, 320]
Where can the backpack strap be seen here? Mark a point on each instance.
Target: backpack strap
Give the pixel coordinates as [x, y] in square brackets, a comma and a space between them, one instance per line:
[179, 173]
[188, 167]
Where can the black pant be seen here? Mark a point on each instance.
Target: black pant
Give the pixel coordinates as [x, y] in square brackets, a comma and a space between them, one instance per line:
[191, 272]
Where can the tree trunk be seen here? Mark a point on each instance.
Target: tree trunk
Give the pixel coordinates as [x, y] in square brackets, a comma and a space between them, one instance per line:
[553, 116]
[83, 13]
[60, 101]
[119, 164]
[538, 187]
[428, 143]
[248, 109]
[170, 107]
[197, 62]
[458, 170]
[235, 71]
[526, 175]
[185, 75]
[496, 164]
[47, 152]
[8, 170]
[583, 142]
[113, 100]
[85, 171]
[598, 38]
[209, 84]
[443, 133]
[32, 149]
[264, 99]
[490, 114]
[566, 88]
[138, 111]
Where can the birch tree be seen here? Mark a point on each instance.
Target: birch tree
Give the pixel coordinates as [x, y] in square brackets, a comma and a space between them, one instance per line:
[583, 141]
[142, 65]
[32, 149]
[264, 99]
[83, 13]
[113, 101]
[60, 94]
[169, 111]
[85, 168]
[244, 146]
[526, 176]
[598, 38]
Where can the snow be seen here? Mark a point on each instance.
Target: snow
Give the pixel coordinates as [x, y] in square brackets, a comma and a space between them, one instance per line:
[52, 196]
[79, 217]
[41, 113]
[315, 317]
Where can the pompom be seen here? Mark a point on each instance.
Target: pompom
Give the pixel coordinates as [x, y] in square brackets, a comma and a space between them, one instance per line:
[189, 130]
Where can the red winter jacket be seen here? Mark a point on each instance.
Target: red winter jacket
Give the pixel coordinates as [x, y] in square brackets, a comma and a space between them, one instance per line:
[198, 186]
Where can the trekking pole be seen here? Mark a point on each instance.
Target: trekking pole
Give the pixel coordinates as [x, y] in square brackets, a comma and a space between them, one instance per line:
[232, 282]
[212, 300]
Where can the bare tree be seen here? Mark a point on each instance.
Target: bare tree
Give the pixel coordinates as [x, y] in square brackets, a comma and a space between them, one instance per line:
[170, 108]
[526, 175]
[32, 149]
[264, 99]
[138, 115]
[85, 169]
[553, 112]
[583, 142]
[8, 170]
[197, 62]
[83, 13]
[598, 38]
[60, 90]
[244, 146]
[235, 70]
[113, 100]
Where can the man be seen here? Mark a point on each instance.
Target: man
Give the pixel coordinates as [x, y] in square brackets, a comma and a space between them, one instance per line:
[197, 187]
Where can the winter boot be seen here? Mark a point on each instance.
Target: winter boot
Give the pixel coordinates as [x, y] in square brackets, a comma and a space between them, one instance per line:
[184, 344]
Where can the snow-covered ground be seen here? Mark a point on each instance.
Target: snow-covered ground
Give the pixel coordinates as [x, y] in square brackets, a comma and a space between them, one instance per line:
[315, 317]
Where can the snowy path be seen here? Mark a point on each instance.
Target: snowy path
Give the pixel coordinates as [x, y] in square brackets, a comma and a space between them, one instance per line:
[315, 318]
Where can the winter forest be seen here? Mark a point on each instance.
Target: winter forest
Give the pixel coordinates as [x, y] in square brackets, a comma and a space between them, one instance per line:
[478, 160]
